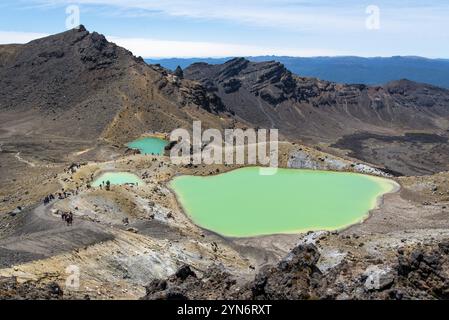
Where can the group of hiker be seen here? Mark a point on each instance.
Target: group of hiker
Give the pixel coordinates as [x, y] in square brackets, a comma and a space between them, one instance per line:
[74, 167]
[49, 199]
[106, 185]
[61, 195]
[67, 217]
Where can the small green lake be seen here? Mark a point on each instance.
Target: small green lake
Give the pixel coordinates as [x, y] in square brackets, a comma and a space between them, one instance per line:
[149, 146]
[117, 178]
[242, 203]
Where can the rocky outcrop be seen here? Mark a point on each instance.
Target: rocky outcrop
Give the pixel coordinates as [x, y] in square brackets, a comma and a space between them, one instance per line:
[10, 289]
[215, 284]
[294, 278]
[423, 273]
[179, 72]
[269, 80]
[417, 272]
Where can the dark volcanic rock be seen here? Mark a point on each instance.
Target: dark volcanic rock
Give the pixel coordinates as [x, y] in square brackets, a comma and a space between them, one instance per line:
[215, 284]
[232, 85]
[10, 289]
[185, 272]
[424, 273]
[66, 77]
[420, 272]
[179, 72]
[292, 279]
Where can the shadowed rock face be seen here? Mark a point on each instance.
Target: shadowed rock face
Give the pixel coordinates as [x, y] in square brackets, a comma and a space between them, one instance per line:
[267, 95]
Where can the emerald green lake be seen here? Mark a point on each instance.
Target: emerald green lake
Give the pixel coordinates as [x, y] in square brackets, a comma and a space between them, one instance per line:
[117, 178]
[242, 203]
[149, 145]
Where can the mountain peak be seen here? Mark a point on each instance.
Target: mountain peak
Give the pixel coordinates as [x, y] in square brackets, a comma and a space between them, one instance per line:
[81, 82]
[269, 80]
[237, 60]
[92, 49]
[233, 67]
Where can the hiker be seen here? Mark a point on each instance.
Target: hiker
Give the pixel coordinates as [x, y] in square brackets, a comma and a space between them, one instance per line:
[64, 216]
[69, 219]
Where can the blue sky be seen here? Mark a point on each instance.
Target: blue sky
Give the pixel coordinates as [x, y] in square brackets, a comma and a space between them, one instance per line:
[213, 28]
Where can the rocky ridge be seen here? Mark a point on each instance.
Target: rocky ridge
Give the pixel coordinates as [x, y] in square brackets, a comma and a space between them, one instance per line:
[408, 120]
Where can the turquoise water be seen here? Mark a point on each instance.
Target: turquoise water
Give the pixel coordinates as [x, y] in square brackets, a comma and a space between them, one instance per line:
[117, 178]
[243, 203]
[149, 145]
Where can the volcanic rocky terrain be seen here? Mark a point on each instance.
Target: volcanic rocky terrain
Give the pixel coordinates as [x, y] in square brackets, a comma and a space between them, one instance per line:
[402, 125]
[70, 102]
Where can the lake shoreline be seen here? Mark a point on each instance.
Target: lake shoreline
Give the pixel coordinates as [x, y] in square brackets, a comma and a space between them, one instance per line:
[377, 202]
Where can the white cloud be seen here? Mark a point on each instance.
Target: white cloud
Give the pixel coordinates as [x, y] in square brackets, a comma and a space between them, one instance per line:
[186, 49]
[292, 14]
[8, 37]
[407, 26]
[154, 48]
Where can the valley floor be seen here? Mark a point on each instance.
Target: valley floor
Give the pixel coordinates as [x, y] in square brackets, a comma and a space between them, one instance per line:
[123, 239]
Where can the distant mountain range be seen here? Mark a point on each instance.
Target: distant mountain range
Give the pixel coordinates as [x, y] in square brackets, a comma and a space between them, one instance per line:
[349, 70]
